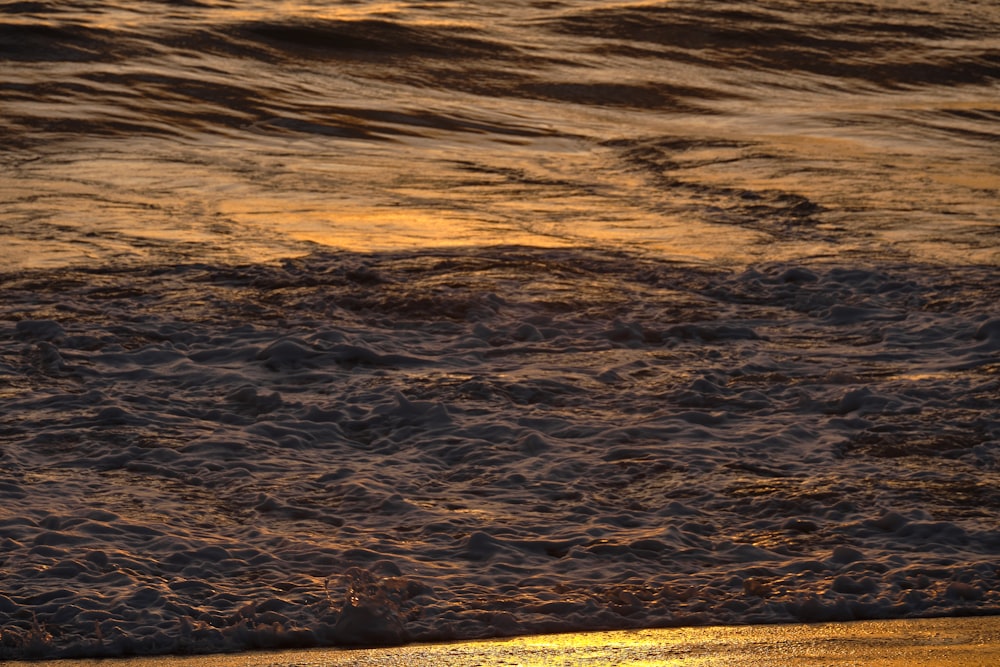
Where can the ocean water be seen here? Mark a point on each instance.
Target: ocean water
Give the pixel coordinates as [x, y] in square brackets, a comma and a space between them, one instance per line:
[358, 323]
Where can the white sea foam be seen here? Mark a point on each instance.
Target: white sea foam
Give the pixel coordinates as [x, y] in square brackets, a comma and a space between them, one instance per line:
[373, 449]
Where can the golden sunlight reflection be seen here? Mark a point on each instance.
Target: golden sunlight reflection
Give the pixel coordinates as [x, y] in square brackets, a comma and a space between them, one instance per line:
[372, 229]
[890, 644]
[944, 642]
[273, 205]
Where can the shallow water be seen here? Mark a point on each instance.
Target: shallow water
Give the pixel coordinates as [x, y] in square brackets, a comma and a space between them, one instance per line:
[376, 322]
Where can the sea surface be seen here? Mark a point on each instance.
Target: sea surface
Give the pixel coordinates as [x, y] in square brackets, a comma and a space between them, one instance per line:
[359, 323]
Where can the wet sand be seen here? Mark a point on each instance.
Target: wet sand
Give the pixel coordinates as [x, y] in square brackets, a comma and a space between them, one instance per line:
[965, 642]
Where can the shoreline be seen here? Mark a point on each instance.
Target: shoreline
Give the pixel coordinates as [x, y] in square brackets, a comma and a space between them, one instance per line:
[947, 641]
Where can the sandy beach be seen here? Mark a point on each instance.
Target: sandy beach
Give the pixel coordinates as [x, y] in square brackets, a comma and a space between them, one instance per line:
[965, 642]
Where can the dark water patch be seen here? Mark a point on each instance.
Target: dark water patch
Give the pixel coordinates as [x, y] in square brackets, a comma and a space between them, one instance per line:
[369, 39]
[21, 42]
[637, 96]
[165, 102]
[965, 69]
[986, 115]
[836, 40]
[381, 124]
[27, 7]
[686, 28]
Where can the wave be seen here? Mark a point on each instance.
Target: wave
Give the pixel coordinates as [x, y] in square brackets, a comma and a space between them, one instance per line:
[376, 448]
[203, 68]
